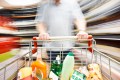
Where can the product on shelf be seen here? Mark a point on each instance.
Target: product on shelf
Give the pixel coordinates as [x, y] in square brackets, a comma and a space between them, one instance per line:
[4, 23]
[9, 43]
[68, 66]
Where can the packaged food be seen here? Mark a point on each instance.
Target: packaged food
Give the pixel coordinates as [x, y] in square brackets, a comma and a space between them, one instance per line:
[78, 76]
[94, 71]
[25, 74]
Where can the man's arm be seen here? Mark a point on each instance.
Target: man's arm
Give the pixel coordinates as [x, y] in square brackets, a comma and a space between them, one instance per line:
[80, 24]
[41, 27]
[79, 21]
[43, 35]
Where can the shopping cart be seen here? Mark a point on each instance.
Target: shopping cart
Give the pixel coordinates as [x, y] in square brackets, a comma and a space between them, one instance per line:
[85, 53]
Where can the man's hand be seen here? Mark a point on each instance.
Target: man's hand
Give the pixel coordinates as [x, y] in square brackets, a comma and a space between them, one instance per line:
[82, 35]
[44, 36]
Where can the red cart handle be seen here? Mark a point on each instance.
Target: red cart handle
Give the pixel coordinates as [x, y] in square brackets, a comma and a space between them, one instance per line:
[63, 37]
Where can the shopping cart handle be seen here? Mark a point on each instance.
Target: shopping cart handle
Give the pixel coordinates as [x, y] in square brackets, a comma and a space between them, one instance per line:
[62, 38]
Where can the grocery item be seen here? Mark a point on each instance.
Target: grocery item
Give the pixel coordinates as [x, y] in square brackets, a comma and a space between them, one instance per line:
[83, 70]
[94, 71]
[9, 43]
[68, 66]
[5, 23]
[25, 74]
[56, 66]
[78, 76]
[53, 76]
[40, 68]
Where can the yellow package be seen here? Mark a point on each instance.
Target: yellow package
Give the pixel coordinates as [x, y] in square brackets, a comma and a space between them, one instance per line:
[94, 71]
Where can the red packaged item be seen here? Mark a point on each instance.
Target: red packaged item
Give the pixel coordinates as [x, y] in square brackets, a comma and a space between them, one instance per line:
[4, 23]
[8, 43]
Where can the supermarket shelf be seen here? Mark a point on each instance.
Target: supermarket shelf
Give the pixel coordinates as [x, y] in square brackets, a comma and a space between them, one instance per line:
[22, 26]
[105, 28]
[112, 51]
[25, 16]
[104, 8]
[15, 33]
[103, 15]
[108, 37]
[89, 4]
[111, 43]
[106, 24]
[113, 17]
[23, 23]
[5, 31]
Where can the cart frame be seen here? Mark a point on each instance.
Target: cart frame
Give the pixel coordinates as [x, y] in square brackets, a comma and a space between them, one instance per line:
[109, 74]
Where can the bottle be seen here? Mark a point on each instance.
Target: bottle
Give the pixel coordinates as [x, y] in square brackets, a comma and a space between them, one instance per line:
[56, 66]
[68, 66]
[40, 68]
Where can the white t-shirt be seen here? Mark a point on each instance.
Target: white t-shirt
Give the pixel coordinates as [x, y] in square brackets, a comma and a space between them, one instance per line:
[59, 19]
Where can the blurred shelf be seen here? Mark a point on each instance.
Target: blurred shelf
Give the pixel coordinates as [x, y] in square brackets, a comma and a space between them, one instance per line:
[24, 16]
[112, 51]
[108, 37]
[26, 26]
[105, 7]
[89, 4]
[113, 17]
[16, 33]
[25, 11]
[23, 23]
[5, 31]
[29, 27]
[26, 32]
[104, 15]
[105, 28]
[109, 42]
